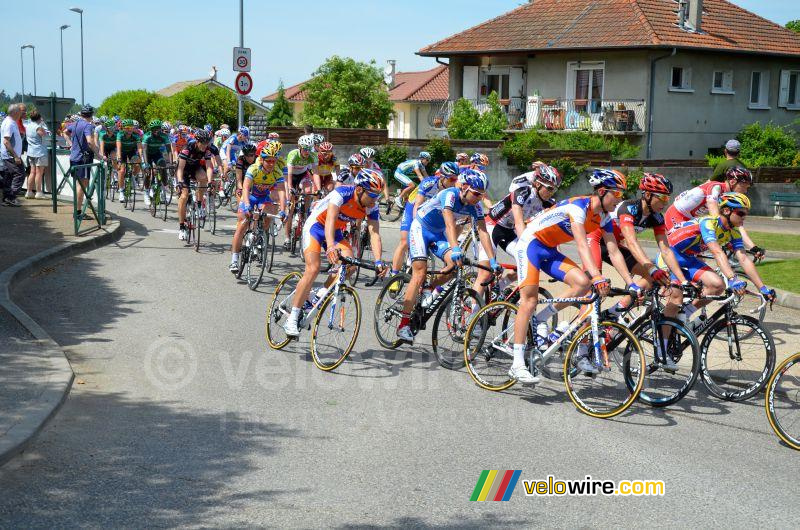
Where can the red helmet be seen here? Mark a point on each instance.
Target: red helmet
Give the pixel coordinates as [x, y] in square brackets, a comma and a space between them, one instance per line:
[740, 174]
[656, 183]
[356, 160]
[325, 146]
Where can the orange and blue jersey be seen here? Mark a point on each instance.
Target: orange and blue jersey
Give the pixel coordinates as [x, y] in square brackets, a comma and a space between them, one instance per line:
[349, 208]
[692, 237]
[553, 227]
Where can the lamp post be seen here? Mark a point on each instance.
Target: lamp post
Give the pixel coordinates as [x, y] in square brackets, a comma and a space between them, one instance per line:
[80, 12]
[33, 49]
[22, 71]
[65, 26]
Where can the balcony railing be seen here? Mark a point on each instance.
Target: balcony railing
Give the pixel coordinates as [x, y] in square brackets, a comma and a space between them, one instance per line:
[608, 116]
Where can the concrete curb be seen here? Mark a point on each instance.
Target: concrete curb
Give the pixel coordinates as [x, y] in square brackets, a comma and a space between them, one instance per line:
[37, 414]
[787, 299]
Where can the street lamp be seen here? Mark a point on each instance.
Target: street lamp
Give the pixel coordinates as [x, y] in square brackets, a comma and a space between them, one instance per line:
[33, 49]
[65, 26]
[80, 12]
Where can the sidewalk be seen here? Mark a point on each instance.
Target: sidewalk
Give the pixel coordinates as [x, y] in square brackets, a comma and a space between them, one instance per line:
[34, 374]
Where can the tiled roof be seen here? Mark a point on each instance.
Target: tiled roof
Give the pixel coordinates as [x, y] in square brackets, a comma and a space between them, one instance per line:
[600, 24]
[174, 88]
[428, 85]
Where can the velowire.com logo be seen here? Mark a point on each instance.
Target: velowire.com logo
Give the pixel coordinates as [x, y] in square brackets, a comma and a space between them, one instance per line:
[494, 485]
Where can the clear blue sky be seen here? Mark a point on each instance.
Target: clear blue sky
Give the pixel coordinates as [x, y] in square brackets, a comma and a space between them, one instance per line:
[153, 43]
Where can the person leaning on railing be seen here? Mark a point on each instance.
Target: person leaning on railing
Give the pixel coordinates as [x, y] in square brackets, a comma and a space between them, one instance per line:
[83, 148]
[36, 131]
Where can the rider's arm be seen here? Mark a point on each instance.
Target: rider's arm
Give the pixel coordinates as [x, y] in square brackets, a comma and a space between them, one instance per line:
[721, 258]
[281, 200]
[247, 185]
[317, 180]
[119, 150]
[450, 229]
[579, 235]
[748, 243]
[483, 235]
[418, 201]
[421, 173]
[373, 227]
[616, 257]
[669, 257]
[179, 171]
[632, 244]
[519, 219]
[749, 267]
[139, 148]
[712, 201]
[287, 184]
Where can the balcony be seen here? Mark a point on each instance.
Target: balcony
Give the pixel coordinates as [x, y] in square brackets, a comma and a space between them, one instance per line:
[605, 116]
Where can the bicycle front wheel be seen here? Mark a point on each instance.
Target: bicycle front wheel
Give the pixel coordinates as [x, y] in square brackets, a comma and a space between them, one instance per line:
[620, 376]
[783, 401]
[270, 235]
[212, 212]
[389, 310]
[489, 346]
[736, 358]
[196, 227]
[335, 328]
[450, 328]
[258, 259]
[279, 309]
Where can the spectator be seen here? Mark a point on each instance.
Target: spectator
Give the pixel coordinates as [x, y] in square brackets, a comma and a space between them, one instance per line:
[11, 154]
[36, 131]
[732, 148]
[82, 149]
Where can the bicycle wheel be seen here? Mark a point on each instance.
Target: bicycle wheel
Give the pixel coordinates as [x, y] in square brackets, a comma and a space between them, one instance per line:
[783, 401]
[450, 328]
[488, 346]
[358, 252]
[259, 261]
[155, 200]
[389, 309]
[335, 328]
[280, 306]
[244, 258]
[212, 211]
[162, 200]
[621, 378]
[196, 227]
[233, 200]
[169, 190]
[132, 191]
[271, 235]
[390, 212]
[662, 387]
[732, 367]
[125, 192]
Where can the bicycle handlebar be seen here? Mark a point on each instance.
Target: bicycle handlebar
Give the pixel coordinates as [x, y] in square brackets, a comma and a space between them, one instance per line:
[357, 262]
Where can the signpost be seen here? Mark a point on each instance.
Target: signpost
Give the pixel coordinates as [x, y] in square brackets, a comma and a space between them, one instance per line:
[244, 83]
[241, 59]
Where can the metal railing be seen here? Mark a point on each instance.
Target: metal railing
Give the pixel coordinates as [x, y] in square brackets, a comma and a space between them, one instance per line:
[514, 110]
[94, 191]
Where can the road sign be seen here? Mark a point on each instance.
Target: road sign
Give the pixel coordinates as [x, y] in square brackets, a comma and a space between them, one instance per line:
[241, 59]
[244, 83]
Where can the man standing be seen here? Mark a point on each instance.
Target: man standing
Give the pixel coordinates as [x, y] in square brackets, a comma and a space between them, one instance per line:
[732, 148]
[82, 149]
[13, 170]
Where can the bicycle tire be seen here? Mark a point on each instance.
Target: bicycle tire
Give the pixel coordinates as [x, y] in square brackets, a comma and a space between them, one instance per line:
[358, 251]
[163, 201]
[233, 201]
[718, 379]
[196, 227]
[386, 319]
[452, 358]
[488, 363]
[772, 404]
[133, 195]
[629, 362]
[169, 190]
[260, 255]
[338, 356]
[280, 306]
[271, 236]
[244, 257]
[154, 202]
[390, 212]
[662, 388]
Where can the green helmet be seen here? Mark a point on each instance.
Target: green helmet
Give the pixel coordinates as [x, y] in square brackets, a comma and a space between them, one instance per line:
[110, 124]
[127, 122]
[154, 124]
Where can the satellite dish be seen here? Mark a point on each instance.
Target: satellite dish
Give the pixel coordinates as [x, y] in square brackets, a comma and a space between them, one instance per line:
[388, 69]
[388, 79]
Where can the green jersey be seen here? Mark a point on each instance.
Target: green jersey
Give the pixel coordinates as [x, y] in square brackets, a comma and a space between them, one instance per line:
[722, 167]
[155, 144]
[299, 164]
[108, 139]
[128, 142]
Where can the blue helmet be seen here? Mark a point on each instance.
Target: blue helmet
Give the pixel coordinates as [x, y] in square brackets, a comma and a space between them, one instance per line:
[425, 154]
[208, 127]
[449, 168]
[474, 179]
[244, 130]
[610, 179]
[370, 179]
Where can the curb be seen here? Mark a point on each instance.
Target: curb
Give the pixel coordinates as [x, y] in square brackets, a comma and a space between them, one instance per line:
[37, 414]
[787, 299]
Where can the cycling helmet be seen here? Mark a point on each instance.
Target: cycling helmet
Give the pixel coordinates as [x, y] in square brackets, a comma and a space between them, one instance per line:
[87, 110]
[367, 152]
[317, 138]
[656, 183]
[244, 130]
[548, 174]
[110, 124]
[356, 160]
[479, 159]
[208, 127]
[271, 136]
[608, 178]
[3, 115]
[202, 136]
[225, 133]
[462, 157]
[271, 150]
[740, 174]
[104, 118]
[116, 117]
[165, 129]
[305, 142]
[734, 200]
[369, 179]
[424, 154]
[325, 147]
[127, 122]
[135, 123]
[154, 124]
[249, 149]
[474, 179]
[449, 169]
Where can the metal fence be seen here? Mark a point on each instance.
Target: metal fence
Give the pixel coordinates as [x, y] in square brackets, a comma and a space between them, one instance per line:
[93, 191]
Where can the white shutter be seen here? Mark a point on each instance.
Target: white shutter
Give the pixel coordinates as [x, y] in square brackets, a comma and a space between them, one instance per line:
[515, 83]
[783, 93]
[687, 78]
[764, 93]
[470, 88]
[727, 81]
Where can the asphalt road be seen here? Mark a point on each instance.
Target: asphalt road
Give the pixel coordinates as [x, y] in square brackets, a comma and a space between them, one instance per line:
[182, 415]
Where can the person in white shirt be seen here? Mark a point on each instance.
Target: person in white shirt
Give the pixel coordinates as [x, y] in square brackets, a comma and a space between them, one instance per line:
[38, 135]
[13, 170]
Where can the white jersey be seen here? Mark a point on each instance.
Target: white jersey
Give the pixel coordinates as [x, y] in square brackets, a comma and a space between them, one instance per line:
[521, 193]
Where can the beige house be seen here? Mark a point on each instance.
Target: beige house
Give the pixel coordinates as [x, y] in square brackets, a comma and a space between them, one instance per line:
[416, 97]
[676, 77]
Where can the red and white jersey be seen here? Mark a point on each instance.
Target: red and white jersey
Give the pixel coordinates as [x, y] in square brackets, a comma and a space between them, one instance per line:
[692, 203]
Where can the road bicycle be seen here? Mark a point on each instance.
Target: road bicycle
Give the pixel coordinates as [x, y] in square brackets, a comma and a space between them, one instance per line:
[334, 319]
[227, 193]
[389, 210]
[782, 401]
[358, 234]
[610, 347]
[193, 218]
[160, 192]
[129, 186]
[258, 248]
[210, 206]
[112, 184]
[297, 221]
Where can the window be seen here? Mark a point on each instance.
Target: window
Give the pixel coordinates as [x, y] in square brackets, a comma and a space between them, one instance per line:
[585, 82]
[681, 79]
[497, 83]
[790, 90]
[722, 82]
[759, 90]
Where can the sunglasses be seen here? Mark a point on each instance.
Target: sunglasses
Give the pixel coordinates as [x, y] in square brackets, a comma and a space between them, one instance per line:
[372, 195]
[616, 193]
[741, 213]
[548, 187]
[475, 192]
[661, 197]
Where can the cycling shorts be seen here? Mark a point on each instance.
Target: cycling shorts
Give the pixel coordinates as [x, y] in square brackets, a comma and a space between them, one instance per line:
[190, 174]
[421, 240]
[314, 237]
[128, 156]
[536, 257]
[501, 238]
[404, 179]
[408, 217]
[256, 201]
[296, 180]
[692, 266]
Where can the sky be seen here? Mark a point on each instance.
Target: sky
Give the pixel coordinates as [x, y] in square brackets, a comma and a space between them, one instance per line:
[153, 43]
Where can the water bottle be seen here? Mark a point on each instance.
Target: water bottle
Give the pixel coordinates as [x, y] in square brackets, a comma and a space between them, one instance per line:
[558, 332]
[427, 297]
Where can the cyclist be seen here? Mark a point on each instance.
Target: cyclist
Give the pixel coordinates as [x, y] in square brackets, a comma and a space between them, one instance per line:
[479, 161]
[107, 140]
[406, 171]
[179, 140]
[193, 164]
[246, 159]
[262, 179]
[434, 229]
[462, 159]
[231, 147]
[271, 137]
[369, 162]
[324, 175]
[129, 149]
[221, 135]
[137, 128]
[346, 175]
[445, 177]
[156, 145]
[537, 250]
[301, 164]
[323, 232]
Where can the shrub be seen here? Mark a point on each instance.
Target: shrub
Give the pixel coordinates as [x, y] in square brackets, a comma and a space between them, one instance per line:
[768, 145]
[521, 149]
[462, 121]
[441, 151]
[128, 104]
[570, 171]
[389, 157]
[634, 177]
[466, 123]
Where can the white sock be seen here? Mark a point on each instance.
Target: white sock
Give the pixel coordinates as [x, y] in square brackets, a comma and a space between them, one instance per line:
[519, 356]
[545, 314]
[295, 314]
[234, 257]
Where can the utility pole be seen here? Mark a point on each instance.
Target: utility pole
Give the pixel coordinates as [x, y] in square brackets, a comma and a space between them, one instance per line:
[241, 45]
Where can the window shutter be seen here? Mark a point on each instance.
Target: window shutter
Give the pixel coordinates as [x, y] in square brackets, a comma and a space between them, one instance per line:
[687, 78]
[515, 83]
[727, 81]
[783, 93]
[470, 87]
[764, 96]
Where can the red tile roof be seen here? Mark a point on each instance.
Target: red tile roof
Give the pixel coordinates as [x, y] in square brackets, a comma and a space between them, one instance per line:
[600, 24]
[428, 85]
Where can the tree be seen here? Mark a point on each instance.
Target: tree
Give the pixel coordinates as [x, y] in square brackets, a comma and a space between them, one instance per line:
[127, 104]
[794, 25]
[281, 112]
[347, 93]
[461, 125]
[202, 104]
[493, 121]
[161, 108]
[466, 123]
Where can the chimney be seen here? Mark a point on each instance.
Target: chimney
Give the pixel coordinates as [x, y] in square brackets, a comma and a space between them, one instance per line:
[696, 14]
[683, 8]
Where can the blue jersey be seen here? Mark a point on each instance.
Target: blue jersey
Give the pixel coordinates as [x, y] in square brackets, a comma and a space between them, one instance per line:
[407, 168]
[428, 188]
[430, 213]
[236, 146]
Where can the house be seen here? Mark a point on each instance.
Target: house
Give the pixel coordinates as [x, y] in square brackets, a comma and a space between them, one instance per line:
[211, 81]
[415, 96]
[676, 77]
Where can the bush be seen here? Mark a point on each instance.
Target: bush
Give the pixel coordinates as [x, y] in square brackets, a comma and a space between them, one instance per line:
[441, 151]
[281, 112]
[202, 104]
[634, 177]
[389, 157]
[462, 121]
[128, 104]
[570, 171]
[713, 160]
[521, 149]
[768, 145]
[466, 123]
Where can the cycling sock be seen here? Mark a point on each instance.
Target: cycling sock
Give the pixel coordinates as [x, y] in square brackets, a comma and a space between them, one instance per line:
[405, 320]
[618, 309]
[295, 314]
[545, 314]
[392, 272]
[234, 256]
[519, 356]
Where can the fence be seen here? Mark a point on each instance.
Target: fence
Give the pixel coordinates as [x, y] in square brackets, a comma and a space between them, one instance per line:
[94, 191]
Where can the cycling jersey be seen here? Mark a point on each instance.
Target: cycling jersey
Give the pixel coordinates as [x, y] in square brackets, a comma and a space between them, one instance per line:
[193, 157]
[300, 164]
[349, 208]
[243, 164]
[692, 203]
[327, 167]
[428, 188]
[373, 165]
[129, 142]
[155, 144]
[179, 140]
[692, 237]
[108, 139]
[553, 227]
[263, 182]
[235, 146]
[430, 213]
[344, 176]
[523, 194]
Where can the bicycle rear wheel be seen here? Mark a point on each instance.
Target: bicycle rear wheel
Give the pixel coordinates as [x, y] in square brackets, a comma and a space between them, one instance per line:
[335, 328]
[358, 252]
[489, 346]
[621, 378]
[154, 200]
[279, 308]
[259, 261]
[212, 211]
[132, 188]
[389, 211]
[389, 309]
[783, 401]
[737, 365]
[450, 328]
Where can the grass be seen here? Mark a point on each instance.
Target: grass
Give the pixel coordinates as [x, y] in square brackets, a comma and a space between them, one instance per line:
[768, 240]
[781, 274]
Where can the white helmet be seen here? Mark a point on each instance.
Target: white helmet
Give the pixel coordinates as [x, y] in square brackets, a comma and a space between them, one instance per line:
[306, 142]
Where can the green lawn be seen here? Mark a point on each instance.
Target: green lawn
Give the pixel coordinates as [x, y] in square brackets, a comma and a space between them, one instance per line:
[768, 240]
[781, 274]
